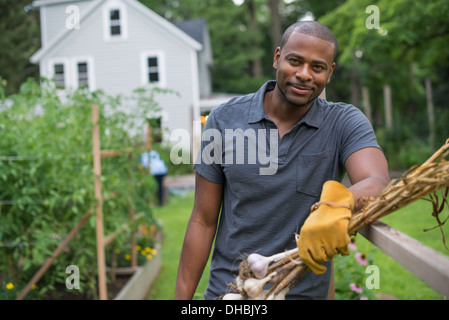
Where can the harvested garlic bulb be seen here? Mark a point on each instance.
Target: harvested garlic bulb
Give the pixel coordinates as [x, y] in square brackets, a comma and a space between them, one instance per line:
[261, 296]
[259, 263]
[239, 283]
[253, 287]
[233, 296]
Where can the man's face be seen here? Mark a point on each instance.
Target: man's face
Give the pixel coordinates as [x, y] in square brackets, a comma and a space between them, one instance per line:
[303, 68]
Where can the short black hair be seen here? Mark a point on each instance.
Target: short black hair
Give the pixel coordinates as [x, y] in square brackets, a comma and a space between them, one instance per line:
[311, 28]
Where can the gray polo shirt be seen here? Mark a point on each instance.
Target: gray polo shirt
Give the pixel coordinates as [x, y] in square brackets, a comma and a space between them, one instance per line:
[262, 210]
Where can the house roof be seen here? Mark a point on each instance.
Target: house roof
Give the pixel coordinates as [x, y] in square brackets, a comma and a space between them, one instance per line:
[147, 12]
[194, 28]
[39, 3]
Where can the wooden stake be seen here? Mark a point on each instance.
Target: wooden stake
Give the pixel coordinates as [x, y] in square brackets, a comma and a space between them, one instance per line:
[133, 240]
[149, 134]
[101, 261]
[55, 254]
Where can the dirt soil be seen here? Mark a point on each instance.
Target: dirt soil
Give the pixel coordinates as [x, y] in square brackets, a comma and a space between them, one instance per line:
[62, 293]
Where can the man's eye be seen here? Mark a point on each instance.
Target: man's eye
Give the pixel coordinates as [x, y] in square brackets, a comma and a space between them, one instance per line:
[319, 67]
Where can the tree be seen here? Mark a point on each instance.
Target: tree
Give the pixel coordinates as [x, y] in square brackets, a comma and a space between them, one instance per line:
[406, 50]
[410, 38]
[20, 38]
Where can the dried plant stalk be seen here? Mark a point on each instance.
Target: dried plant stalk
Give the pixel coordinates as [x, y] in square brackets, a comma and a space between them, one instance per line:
[417, 183]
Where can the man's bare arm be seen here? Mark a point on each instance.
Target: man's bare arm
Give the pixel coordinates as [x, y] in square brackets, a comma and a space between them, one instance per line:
[199, 236]
[368, 172]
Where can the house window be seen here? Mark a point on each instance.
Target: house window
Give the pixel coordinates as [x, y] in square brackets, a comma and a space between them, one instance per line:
[58, 75]
[114, 19]
[83, 75]
[153, 69]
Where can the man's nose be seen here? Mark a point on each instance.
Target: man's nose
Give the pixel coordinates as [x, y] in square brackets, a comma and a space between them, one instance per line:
[303, 73]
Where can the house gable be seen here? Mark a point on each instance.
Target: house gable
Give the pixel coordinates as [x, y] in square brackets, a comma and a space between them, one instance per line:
[67, 32]
[151, 48]
[152, 37]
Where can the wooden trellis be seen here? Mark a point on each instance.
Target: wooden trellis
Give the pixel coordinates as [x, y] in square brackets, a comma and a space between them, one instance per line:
[101, 240]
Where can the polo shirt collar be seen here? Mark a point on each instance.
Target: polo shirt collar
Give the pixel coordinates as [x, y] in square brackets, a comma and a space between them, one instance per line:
[257, 112]
[313, 118]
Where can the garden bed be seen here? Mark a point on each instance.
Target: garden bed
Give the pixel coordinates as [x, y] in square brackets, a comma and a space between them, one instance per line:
[127, 284]
[138, 286]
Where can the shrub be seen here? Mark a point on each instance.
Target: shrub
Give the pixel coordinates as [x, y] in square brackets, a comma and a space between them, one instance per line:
[350, 275]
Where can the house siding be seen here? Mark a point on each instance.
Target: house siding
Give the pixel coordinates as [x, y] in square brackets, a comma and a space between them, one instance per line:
[118, 67]
[55, 18]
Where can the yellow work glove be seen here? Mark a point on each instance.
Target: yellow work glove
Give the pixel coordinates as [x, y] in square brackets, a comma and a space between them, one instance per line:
[325, 232]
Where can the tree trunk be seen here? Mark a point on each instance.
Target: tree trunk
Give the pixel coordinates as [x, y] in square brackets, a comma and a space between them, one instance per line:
[276, 28]
[355, 87]
[257, 70]
[387, 105]
[366, 103]
[430, 112]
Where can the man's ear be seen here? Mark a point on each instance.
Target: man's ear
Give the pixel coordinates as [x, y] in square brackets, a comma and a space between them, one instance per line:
[277, 54]
[330, 73]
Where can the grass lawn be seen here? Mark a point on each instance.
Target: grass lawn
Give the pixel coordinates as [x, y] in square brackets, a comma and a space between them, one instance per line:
[174, 216]
[394, 279]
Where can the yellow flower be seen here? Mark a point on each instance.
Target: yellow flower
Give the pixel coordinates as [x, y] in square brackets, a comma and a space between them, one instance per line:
[154, 251]
[143, 252]
[138, 248]
[33, 287]
[10, 286]
[127, 256]
[149, 257]
[148, 249]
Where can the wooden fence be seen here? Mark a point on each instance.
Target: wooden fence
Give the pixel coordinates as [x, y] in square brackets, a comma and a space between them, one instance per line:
[424, 262]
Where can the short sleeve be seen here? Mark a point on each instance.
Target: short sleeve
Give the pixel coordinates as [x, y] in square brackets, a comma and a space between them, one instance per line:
[208, 160]
[356, 133]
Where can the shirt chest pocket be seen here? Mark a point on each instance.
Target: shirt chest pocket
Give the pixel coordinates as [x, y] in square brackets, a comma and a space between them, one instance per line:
[312, 170]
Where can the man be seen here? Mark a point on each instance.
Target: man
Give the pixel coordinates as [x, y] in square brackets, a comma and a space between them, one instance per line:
[317, 141]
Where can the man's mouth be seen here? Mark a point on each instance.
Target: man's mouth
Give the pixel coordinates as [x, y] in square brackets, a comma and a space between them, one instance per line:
[300, 89]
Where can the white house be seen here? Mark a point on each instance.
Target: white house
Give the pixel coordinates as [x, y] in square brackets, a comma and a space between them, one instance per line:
[121, 45]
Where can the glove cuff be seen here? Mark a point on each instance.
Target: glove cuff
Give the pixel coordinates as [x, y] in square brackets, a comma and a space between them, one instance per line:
[329, 203]
[336, 194]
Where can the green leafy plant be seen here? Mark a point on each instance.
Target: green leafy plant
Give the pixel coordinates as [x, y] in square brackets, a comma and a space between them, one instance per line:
[350, 275]
[46, 173]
